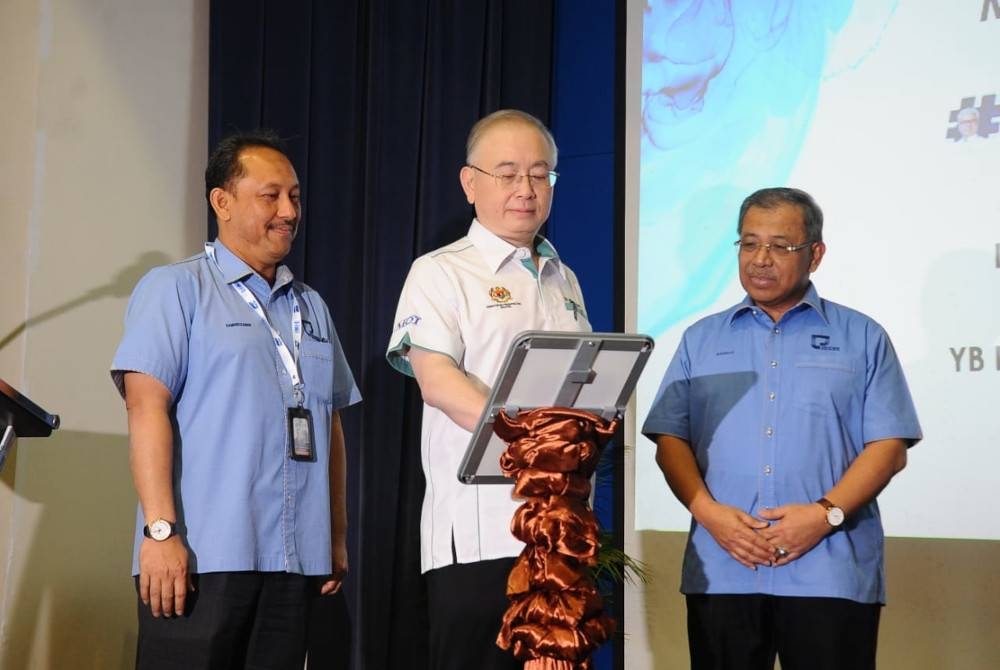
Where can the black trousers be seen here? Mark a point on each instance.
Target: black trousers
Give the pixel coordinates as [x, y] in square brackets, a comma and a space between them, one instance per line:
[466, 603]
[232, 621]
[747, 632]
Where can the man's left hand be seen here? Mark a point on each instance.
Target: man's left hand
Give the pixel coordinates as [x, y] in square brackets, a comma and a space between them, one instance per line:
[333, 584]
[794, 528]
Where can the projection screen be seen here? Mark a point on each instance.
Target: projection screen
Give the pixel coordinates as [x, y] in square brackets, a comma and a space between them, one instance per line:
[887, 113]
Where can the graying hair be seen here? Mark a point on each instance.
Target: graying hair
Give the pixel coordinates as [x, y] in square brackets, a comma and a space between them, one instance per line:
[770, 198]
[508, 116]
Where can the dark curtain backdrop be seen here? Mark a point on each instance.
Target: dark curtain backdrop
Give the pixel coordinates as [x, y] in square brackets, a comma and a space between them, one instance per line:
[375, 99]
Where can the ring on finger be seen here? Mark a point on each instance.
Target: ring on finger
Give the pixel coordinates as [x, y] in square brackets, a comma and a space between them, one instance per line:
[780, 552]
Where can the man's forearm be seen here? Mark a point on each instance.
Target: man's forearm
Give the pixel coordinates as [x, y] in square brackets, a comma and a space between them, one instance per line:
[444, 386]
[338, 480]
[680, 469]
[151, 446]
[870, 472]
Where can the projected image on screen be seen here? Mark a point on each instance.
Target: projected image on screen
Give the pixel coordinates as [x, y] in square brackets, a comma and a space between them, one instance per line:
[887, 112]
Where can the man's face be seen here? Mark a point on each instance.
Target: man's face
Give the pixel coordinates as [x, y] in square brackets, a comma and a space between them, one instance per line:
[776, 282]
[968, 122]
[259, 216]
[516, 213]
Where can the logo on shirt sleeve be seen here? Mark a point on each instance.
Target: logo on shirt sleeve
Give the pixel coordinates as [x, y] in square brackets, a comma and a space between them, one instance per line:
[411, 320]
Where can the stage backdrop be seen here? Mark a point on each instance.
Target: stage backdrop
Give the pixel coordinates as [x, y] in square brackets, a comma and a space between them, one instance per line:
[886, 111]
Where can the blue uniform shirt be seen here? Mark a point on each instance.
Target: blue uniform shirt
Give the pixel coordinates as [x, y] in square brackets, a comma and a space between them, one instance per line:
[242, 503]
[775, 414]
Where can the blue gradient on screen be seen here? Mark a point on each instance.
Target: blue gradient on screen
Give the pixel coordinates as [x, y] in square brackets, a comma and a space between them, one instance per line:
[729, 89]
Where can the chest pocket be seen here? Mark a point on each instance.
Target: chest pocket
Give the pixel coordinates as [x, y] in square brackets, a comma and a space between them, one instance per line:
[825, 385]
[316, 363]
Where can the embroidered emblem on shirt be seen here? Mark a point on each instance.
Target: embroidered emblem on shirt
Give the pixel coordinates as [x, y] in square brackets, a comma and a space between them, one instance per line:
[499, 294]
[239, 324]
[573, 305]
[822, 342]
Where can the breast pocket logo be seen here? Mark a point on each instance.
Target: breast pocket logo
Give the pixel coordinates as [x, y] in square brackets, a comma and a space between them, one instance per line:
[501, 297]
[822, 342]
[499, 294]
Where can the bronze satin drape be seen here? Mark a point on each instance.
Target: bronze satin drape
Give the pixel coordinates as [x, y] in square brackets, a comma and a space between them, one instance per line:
[556, 617]
[375, 98]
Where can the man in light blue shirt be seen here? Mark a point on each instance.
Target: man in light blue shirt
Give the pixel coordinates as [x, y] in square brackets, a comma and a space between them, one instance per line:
[233, 376]
[777, 423]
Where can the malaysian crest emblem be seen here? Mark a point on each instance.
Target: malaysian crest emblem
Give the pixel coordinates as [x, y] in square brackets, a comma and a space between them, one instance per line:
[499, 294]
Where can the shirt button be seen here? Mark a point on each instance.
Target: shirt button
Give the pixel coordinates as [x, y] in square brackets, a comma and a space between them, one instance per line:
[771, 395]
[774, 364]
[769, 432]
[777, 330]
[767, 469]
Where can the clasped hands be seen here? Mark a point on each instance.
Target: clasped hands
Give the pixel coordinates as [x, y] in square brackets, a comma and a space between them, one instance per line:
[781, 534]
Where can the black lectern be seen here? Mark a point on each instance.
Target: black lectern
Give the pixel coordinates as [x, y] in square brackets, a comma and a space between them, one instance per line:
[19, 417]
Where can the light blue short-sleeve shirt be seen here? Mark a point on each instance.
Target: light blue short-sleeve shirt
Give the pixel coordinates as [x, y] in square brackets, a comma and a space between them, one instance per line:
[242, 503]
[775, 414]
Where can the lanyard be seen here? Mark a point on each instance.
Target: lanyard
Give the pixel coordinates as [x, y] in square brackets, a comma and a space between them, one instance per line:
[290, 363]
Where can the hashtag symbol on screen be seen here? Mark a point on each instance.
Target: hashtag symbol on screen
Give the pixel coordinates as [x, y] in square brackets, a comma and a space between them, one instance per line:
[953, 133]
[989, 112]
[988, 117]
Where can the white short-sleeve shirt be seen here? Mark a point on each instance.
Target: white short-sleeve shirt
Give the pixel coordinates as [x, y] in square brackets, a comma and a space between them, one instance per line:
[468, 300]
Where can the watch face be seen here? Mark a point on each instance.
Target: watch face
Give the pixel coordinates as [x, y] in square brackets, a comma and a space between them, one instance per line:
[835, 516]
[159, 530]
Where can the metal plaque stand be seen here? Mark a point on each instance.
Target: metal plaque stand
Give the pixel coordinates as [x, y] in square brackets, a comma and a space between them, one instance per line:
[596, 372]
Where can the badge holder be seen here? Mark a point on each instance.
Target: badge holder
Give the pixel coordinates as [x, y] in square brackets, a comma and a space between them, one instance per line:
[596, 372]
[19, 417]
[302, 446]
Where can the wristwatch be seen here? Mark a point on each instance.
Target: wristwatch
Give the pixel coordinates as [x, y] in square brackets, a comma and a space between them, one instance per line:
[160, 530]
[834, 515]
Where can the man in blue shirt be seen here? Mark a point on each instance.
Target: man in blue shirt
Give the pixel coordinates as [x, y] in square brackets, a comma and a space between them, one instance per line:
[777, 423]
[233, 376]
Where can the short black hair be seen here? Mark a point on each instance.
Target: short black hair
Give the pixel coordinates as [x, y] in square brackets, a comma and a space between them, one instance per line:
[224, 165]
[770, 198]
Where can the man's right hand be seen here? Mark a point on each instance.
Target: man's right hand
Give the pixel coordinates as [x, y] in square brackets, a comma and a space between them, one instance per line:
[163, 576]
[735, 531]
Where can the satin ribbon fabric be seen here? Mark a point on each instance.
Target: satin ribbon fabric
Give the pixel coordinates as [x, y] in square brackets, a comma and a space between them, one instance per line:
[556, 615]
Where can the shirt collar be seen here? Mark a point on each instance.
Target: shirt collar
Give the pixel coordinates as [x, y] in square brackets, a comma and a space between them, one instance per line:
[234, 268]
[497, 251]
[810, 299]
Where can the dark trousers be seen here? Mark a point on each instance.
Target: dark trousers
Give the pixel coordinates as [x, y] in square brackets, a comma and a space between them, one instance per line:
[747, 632]
[232, 621]
[466, 603]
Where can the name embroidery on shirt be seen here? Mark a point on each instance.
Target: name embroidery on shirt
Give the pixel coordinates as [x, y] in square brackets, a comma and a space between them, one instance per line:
[239, 324]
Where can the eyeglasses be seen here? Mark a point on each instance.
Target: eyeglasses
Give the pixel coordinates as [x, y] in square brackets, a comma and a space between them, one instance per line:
[751, 247]
[509, 180]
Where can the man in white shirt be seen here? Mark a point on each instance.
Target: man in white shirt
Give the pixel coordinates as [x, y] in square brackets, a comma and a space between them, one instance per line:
[460, 308]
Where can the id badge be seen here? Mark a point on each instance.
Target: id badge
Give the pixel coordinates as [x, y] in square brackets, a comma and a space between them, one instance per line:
[300, 428]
